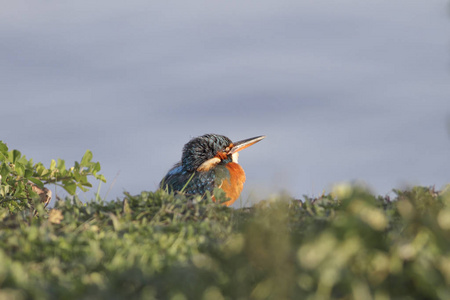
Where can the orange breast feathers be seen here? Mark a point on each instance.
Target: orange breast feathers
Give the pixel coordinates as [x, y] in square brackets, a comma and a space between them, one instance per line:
[233, 186]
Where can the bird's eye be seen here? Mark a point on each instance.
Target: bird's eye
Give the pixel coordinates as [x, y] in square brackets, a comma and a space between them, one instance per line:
[227, 149]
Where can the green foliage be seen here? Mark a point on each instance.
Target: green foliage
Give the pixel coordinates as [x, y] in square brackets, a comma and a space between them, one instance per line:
[156, 245]
[18, 175]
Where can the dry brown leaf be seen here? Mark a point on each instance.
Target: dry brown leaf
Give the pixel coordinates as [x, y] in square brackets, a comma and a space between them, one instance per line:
[55, 216]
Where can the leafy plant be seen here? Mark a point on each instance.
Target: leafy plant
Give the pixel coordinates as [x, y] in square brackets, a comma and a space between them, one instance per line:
[22, 180]
[349, 244]
[158, 245]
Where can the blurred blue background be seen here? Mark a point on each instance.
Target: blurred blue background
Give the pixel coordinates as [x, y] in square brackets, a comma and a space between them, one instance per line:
[344, 90]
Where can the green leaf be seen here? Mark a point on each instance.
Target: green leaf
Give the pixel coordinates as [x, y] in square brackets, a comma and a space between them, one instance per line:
[36, 182]
[16, 155]
[3, 148]
[100, 177]
[70, 187]
[41, 171]
[19, 189]
[61, 166]
[4, 171]
[87, 157]
[96, 168]
[20, 170]
[82, 188]
[52, 165]
[28, 173]
[77, 176]
[3, 152]
[83, 179]
[88, 184]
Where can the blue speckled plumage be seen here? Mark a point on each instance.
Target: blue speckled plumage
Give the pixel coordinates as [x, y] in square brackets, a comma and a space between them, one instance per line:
[202, 148]
[195, 152]
[205, 164]
[178, 179]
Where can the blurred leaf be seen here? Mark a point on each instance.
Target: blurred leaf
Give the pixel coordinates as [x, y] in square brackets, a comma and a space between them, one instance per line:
[87, 157]
[3, 148]
[96, 168]
[15, 156]
[4, 170]
[28, 173]
[37, 182]
[52, 165]
[70, 187]
[55, 216]
[100, 177]
[20, 170]
[61, 166]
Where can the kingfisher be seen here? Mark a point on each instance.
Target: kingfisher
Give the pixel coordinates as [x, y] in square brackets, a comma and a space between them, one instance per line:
[209, 161]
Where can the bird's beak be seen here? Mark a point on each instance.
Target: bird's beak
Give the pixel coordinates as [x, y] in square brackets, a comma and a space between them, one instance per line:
[238, 146]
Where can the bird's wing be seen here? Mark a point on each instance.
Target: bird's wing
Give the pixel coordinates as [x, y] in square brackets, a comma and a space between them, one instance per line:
[196, 182]
[173, 178]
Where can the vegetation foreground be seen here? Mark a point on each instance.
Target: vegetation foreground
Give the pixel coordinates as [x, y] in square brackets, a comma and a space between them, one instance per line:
[349, 244]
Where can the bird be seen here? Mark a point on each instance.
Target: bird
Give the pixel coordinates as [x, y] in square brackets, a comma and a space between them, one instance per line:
[207, 162]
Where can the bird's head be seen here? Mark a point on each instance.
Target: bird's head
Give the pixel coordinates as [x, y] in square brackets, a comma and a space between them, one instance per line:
[204, 152]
